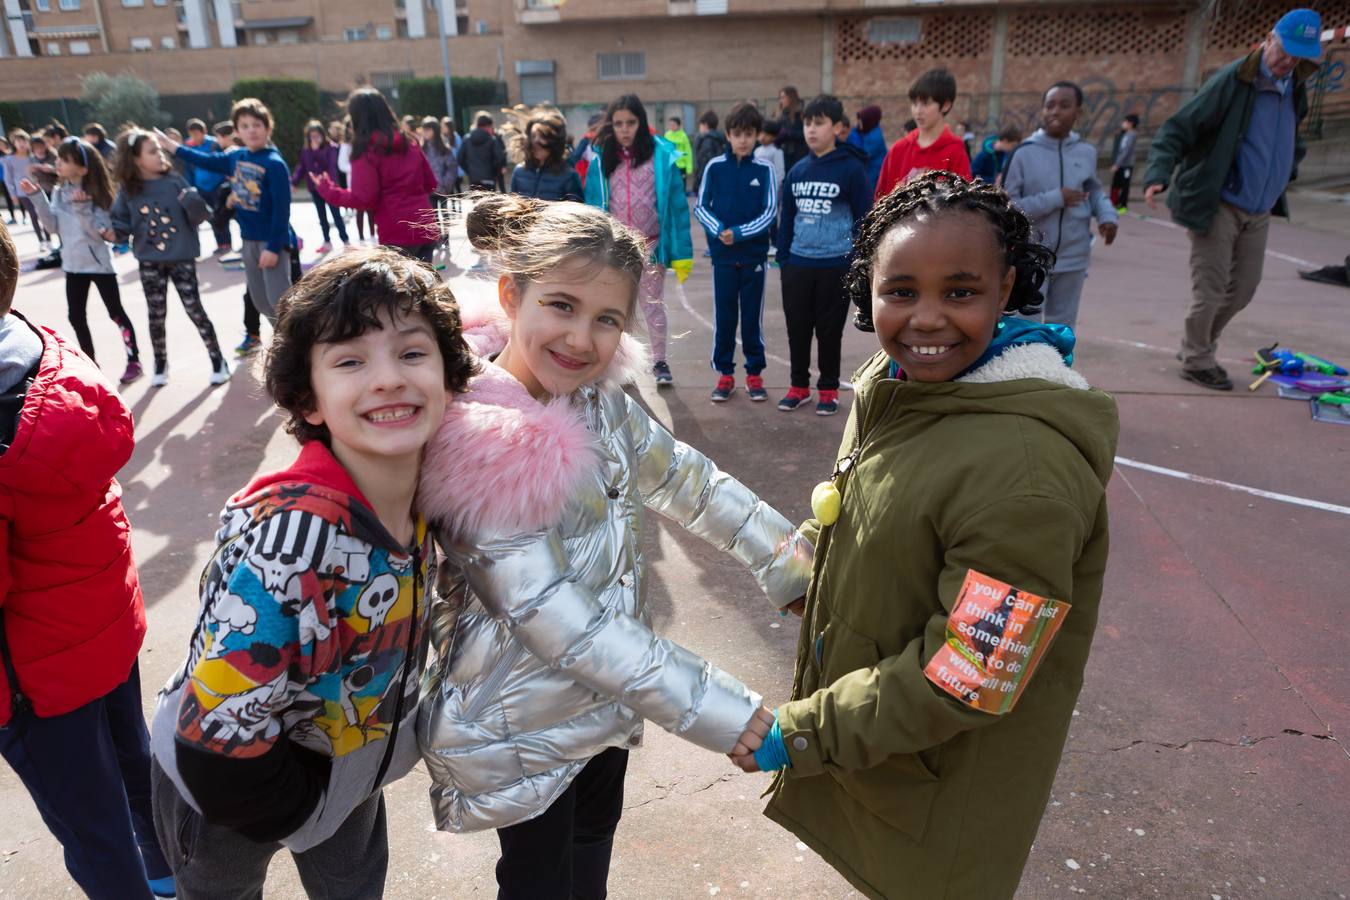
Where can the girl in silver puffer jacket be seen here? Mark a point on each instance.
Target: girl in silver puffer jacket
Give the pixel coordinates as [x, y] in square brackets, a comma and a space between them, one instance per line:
[537, 484]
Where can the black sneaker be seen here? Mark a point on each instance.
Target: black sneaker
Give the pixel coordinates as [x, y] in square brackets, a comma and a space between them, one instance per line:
[662, 373]
[1215, 379]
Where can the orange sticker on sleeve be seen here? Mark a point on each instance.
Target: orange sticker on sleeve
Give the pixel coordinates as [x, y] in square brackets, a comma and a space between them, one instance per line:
[996, 636]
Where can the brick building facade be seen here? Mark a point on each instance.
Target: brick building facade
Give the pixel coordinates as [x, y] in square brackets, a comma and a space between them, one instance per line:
[680, 55]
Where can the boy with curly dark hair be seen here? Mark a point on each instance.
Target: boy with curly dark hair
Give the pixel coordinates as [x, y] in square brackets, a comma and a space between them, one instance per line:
[297, 701]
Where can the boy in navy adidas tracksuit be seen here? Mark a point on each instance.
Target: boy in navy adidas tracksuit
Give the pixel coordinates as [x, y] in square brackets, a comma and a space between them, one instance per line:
[737, 201]
[824, 199]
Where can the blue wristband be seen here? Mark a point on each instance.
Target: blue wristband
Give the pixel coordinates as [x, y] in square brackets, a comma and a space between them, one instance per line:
[772, 754]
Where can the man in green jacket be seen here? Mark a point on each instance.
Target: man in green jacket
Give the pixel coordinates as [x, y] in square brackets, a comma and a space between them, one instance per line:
[1237, 144]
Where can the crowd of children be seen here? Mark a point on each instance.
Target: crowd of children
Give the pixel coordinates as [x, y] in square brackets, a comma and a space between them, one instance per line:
[495, 434]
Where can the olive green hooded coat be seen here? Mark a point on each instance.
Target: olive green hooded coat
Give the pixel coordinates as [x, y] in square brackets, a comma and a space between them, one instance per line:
[906, 791]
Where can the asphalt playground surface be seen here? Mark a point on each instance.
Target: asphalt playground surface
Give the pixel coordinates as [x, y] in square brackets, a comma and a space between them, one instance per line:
[1207, 756]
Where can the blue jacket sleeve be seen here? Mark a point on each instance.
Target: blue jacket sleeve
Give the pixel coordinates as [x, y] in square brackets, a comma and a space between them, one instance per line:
[279, 188]
[703, 211]
[785, 223]
[211, 162]
[675, 227]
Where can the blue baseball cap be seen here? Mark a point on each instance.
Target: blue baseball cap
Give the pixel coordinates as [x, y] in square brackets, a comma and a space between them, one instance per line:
[1300, 33]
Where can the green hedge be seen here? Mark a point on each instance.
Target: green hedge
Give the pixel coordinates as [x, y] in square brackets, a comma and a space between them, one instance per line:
[11, 117]
[293, 102]
[426, 97]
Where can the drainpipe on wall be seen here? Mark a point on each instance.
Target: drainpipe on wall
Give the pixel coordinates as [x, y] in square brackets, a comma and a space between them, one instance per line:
[996, 69]
[1195, 43]
[102, 31]
[827, 55]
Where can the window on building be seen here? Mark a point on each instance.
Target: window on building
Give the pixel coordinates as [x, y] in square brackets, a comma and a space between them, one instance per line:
[621, 66]
[895, 30]
[78, 48]
[288, 36]
[260, 39]
[383, 33]
[353, 34]
[537, 83]
[130, 3]
[44, 5]
[161, 2]
[142, 44]
[54, 49]
[70, 5]
[168, 43]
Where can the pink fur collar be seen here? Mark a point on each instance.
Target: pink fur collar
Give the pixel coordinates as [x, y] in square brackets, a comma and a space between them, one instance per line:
[502, 462]
[486, 329]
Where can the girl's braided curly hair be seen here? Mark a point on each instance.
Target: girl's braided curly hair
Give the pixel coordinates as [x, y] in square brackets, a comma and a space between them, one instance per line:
[935, 193]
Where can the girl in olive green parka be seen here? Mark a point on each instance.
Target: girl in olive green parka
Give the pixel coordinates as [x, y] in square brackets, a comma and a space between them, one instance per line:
[973, 454]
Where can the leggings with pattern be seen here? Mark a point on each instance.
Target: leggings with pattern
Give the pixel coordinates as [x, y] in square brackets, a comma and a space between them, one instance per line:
[155, 278]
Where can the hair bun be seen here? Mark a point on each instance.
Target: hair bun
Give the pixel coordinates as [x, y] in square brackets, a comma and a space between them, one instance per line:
[496, 219]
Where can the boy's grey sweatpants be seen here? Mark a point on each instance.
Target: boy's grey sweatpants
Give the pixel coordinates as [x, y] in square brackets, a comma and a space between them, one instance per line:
[212, 862]
[265, 286]
[1063, 291]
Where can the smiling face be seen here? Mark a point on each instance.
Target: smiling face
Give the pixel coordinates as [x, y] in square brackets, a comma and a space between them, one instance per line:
[939, 285]
[382, 394]
[1059, 112]
[625, 126]
[565, 330]
[252, 131]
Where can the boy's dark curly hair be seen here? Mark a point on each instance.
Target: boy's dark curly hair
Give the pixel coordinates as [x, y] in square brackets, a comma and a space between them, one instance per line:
[340, 299]
[935, 193]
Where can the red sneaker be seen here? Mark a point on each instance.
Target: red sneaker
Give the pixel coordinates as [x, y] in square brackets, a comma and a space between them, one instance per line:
[754, 388]
[795, 397]
[828, 404]
[726, 386]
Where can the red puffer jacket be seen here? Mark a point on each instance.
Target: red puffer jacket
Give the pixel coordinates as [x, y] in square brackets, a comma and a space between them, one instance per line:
[71, 601]
[395, 185]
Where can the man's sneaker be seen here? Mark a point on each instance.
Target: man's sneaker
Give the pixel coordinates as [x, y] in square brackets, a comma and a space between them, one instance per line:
[726, 386]
[221, 373]
[662, 373]
[795, 397]
[159, 379]
[222, 250]
[1213, 379]
[754, 388]
[163, 887]
[132, 372]
[249, 344]
[325, 248]
[828, 404]
[1120, 210]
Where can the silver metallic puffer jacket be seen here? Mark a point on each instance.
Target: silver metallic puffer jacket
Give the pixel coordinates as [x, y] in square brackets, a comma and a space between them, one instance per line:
[545, 653]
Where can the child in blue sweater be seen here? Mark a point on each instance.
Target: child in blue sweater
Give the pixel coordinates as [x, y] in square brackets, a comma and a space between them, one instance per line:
[260, 182]
[825, 197]
[737, 201]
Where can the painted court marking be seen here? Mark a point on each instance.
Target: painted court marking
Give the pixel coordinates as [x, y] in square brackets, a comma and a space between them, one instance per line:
[1120, 460]
[1240, 488]
[1275, 253]
[684, 301]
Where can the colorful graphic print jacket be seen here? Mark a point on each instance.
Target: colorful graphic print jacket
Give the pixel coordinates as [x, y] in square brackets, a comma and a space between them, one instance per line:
[297, 699]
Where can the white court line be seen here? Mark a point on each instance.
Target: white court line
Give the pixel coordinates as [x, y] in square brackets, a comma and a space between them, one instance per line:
[1241, 488]
[1120, 460]
[1275, 253]
[684, 301]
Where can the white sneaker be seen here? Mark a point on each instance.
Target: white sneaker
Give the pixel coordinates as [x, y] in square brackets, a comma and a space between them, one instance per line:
[159, 379]
[222, 373]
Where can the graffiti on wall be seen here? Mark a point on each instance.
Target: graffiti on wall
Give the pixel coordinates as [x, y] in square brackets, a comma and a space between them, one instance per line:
[1105, 105]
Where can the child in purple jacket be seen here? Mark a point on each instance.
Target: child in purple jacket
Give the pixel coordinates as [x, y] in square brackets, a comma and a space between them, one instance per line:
[320, 156]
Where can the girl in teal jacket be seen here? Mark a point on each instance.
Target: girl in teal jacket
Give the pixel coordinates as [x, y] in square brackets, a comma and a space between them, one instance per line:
[643, 189]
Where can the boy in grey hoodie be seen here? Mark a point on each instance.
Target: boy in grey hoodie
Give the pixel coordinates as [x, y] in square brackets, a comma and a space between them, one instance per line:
[1052, 176]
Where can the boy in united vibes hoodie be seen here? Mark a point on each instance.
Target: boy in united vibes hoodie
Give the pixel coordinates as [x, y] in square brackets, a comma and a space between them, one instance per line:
[824, 198]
